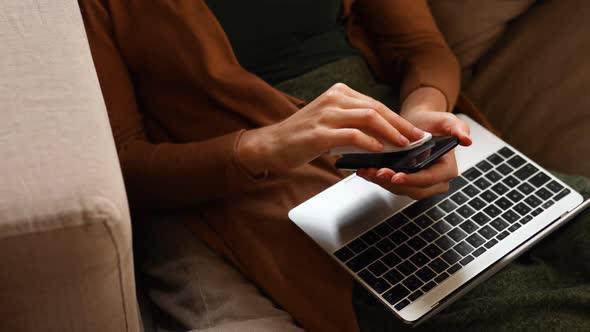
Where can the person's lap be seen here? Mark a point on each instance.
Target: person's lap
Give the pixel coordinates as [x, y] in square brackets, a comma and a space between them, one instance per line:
[547, 287]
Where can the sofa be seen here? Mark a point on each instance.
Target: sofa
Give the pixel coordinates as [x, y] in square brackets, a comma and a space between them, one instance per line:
[66, 245]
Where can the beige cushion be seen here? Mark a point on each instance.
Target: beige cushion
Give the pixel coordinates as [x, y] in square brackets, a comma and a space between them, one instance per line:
[471, 27]
[65, 242]
[534, 86]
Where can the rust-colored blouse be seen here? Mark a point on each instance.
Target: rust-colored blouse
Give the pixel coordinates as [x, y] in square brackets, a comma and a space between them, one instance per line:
[178, 102]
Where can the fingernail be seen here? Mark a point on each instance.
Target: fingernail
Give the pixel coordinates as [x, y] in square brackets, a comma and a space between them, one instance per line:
[404, 141]
[397, 179]
[418, 133]
[381, 175]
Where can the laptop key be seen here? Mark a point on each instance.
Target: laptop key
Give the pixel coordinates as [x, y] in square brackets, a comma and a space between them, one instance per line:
[562, 194]
[435, 213]
[492, 210]
[453, 219]
[539, 179]
[515, 196]
[364, 259]
[451, 257]
[442, 227]
[488, 196]
[484, 166]
[544, 193]
[502, 235]
[514, 228]
[477, 203]
[487, 232]
[412, 283]
[471, 191]
[554, 186]
[478, 252]
[438, 265]
[499, 224]
[419, 259]
[547, 204]
[357, 245]
[370, 237]
[385, 245]
[504, 169]
[511, 181]
[406, 268]
[402, 304]
[454, 268]
[506, 152]
[482, 184]
[468, 226]
[491, 243]
[416, 295]
[396, 294]
[522, 209]
[429, 285]
[466, 260]
[393, 276]
[499, 188]
[432, 251]
[447, 205]
[480, 218]
[344, 254]
[533, 201]
[504, 203]
[516, 161]
[510, 216]
[525, 172]
[403, 251]
[475, 240]
[526, 219]
[425, 274]
[536, 212]
[493, 176]
[411, 229]
[379, 285]
[465, 211]
[444, 242]
[378, 268]
[441, 277]
[430, 235]
[383, 229]
[423, 221]
[463, 248]
[416, 243]
[391, 259]
[472, 174]
[398, 220]
[526, 188]
[457, 234]
[459, 198]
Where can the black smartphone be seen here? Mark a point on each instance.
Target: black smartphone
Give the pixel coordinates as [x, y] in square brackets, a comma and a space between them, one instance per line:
[410, 161]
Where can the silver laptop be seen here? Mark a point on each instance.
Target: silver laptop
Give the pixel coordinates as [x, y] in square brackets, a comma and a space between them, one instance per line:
[417, 257]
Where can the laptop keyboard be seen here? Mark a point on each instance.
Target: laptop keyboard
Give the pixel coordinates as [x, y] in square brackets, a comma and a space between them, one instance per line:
[419, 247]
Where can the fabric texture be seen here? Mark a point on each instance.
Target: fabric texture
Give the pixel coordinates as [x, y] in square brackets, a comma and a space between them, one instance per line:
[197, 290]
[533, 85]
[547, 288]
[65, 234]
[178, 101]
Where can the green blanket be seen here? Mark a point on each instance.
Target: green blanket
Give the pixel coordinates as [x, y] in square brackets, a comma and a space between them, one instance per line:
[548, 288]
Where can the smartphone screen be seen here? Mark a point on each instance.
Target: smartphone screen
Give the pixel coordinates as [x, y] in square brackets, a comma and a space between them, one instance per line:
[410, 161]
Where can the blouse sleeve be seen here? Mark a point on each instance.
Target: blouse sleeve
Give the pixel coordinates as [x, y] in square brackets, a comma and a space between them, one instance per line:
[403, 33]
[163, 175]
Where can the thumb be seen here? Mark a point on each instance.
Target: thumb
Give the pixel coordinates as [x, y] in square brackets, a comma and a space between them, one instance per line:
[456, 127]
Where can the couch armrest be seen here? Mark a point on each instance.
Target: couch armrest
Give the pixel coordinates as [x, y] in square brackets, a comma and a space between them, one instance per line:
[66, 257]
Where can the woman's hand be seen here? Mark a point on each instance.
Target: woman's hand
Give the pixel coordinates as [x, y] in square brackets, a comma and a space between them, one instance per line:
[340, 116]
[426, 110]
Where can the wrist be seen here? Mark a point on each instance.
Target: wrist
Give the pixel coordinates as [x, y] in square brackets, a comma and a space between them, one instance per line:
[251, 153]
[424, 99]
